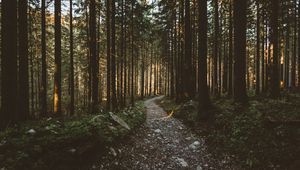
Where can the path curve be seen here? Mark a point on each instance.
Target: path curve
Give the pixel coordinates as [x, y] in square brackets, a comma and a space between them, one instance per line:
[161, 143]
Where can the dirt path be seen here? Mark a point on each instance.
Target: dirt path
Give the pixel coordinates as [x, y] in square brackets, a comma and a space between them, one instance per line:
[162, 143]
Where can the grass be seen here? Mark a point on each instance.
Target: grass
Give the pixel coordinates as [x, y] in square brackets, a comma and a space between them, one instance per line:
[263, 135]
[64, 144]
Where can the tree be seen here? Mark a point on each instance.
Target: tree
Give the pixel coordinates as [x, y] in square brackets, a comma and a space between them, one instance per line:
[257, 91]
[71, 61]
[8, 62]
[57, 72]
[216, 48]
[132, 53]
[188, 80]
[298, 46]
[108, 66]
[239, 23]
[23, 61]
[93, 55]
[230, 55]
[275, 84]
[44, 62]
[113, 55]
[204, 101]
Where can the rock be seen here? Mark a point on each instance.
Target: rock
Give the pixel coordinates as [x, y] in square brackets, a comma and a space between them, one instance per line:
[31, 132]
[119, 120]
[3, 142]
[188, 138]
[157, 131]
[113, 152]
[72, 150]
[182, 162]
[199, 167]
[196, 143]
[192, 146]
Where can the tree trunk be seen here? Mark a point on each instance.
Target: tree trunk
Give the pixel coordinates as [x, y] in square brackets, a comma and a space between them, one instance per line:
[113, 56]
[108, 66]
[57, 73]
[23, 61]
[240, 19]
[44, 62]
[71, 61]
[216, 50]
[257, 88]
[275, 84]
[204, 101]
[132, 53]
[188, 80]
[9, 62]
[230, 57]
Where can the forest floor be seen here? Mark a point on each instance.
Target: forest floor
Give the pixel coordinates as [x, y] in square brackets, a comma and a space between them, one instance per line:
[163, 142]
[253, 136]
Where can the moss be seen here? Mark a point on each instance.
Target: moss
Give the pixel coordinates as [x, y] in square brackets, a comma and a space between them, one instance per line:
[58, 143]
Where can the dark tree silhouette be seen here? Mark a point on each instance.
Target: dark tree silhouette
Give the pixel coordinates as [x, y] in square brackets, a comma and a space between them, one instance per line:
[8, 62]
[239, 17]
[23, 61]
[93, 56]
[71, 61]
[44, 61]
[57, 72]
[275, 84]
[204, 101]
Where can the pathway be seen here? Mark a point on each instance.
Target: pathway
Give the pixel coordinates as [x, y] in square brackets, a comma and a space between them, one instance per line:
[162, 143]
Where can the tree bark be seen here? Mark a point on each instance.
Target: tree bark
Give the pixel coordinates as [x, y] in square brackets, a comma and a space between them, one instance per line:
[44, 62]
[275, 84]
[8, 62]
[71, 61]
[23, 61]
[204, 101]
[240, 19]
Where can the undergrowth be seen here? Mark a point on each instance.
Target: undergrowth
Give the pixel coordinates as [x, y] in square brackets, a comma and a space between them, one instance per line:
[262, 135]
[64, 144]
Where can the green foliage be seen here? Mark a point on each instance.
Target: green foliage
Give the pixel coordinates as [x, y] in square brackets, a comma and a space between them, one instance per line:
[245, 132]
[52, 143]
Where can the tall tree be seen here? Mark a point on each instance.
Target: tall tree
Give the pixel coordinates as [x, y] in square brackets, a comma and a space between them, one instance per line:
[108, 66]
[132, 53]
[113, 54]
[230, 53]
[44, 62]
[8, 62]
[216, 48]
[187, 64]
[204, 101]
[71, 60]
[239, 23]
[275, 84]
[23, 61]
[57, 72]
[93, 55]
[299, 46]
[257, 89]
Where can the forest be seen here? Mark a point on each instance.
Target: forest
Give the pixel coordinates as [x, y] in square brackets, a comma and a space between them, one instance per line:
[150, 84]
